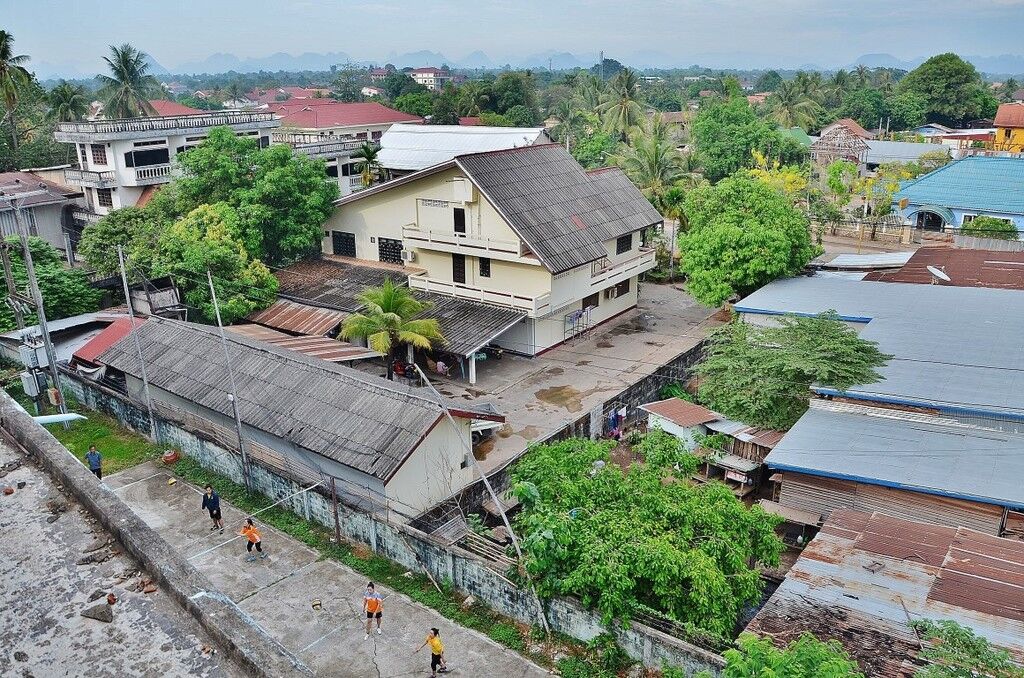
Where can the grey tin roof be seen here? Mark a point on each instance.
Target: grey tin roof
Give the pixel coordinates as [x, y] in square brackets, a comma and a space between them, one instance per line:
[356, 419]
[956, 348]
[562, 212]
[919, 453]
[334, 284]
[467, 325]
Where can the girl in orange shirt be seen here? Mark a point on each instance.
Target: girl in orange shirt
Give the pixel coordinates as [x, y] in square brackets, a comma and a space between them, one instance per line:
[250, 532]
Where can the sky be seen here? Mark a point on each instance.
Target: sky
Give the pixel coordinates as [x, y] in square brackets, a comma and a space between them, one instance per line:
[761, 32]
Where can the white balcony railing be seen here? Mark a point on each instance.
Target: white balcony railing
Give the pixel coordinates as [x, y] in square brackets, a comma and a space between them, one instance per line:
[602, 273]
[467, 240]
[152, 174]
[85, 216]
[167, 122]
[80, 177]
[532, 305]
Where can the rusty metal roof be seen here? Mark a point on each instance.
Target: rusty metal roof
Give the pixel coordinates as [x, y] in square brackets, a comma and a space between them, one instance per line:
[335, 283]
[324, 348]
[965, 268]
[291, 316]
[866, 575]
[680, 412]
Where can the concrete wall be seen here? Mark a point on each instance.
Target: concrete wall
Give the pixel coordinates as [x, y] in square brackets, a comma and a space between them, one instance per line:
[414, 549]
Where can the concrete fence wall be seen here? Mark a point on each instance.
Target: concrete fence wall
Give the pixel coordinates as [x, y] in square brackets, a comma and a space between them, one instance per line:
[408, 546]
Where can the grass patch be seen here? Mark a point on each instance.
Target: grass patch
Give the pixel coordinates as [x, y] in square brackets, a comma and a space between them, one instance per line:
[577, 658]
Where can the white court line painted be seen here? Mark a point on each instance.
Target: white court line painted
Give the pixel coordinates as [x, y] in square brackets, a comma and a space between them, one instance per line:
[141, 480]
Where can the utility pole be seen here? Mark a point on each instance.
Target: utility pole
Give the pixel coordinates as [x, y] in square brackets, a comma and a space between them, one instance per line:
[233, 396]
[138, 345]
[12, 289]
[37, 296]
[601, 62]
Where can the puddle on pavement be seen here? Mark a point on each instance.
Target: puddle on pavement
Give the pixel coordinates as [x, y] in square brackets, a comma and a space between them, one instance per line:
[529, 433]
[563, 396]
[641, 323]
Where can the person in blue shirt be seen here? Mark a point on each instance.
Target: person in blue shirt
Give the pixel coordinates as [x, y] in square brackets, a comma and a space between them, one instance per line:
[211, 502]
[95, 461]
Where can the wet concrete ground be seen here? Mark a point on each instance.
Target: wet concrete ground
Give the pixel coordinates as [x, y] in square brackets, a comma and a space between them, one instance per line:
[279, 592]
[43, 590]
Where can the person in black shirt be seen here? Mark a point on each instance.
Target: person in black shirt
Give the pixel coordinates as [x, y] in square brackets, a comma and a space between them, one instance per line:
[211, 502]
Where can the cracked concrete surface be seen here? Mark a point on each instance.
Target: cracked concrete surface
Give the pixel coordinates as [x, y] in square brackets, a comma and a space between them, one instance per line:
[278, 593]
[43, 591]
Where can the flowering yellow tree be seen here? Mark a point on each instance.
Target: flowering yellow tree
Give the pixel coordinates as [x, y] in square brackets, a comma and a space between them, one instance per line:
[786, 179]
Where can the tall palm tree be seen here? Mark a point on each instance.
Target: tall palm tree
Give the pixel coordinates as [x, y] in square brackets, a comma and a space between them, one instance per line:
[67, 102]
[590, 90]
[234, 91]
[862, 76]
[13, 75]
[810, 84]
[388, 320]
[368, 165]
[128, 88]
[838, 86]
[651, 160]
[570, 119]
[621, 110]
[884, 80]
[790, 106]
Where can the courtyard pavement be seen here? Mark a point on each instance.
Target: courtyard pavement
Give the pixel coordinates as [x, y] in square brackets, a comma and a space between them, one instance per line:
[43, 534]
[278, 592]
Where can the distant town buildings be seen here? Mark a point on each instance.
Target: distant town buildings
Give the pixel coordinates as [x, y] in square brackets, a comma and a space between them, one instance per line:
[432, 78]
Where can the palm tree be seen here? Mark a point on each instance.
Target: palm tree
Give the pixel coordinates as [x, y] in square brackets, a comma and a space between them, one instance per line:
[811, 85]
[234, 92]
[590, 90]
[791, 107]
[862, 75]
[621, 110]
[838, 86]
[570, 118]
[368, 164]
[651, 160]
[388, 320]
[68, 102]
[13, 75]
[128, 88]
[884, 81]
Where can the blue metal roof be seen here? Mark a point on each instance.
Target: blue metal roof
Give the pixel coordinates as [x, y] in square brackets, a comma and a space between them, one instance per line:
[973, 183]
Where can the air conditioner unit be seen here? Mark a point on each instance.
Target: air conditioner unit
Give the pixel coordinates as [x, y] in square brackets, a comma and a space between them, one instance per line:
[408, 256]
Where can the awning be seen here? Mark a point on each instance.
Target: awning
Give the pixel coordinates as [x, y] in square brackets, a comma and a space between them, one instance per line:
[790, 515]
[330, 350]
[943, 212]
[291, 316]
[467, 325]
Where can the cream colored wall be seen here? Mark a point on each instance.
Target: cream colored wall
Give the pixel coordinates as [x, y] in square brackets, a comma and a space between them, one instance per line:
[434, 471]
[550, 331]
[505, 276]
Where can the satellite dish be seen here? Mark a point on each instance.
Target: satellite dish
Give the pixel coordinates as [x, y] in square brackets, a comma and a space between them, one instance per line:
[938, 274]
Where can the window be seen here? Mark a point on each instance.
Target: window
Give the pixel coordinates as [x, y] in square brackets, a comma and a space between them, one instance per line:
[622, 288]
[99, 154]
[389, 250]
[104, 197]
[485, 267]
[624, 243]
[968, 218]
[343, 244]
[83, 155]
[592, 301]
[376, 135]
[146, 158]
[460, 220]
[459, 268]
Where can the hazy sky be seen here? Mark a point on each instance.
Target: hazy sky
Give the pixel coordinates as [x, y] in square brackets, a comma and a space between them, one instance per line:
[787, 32]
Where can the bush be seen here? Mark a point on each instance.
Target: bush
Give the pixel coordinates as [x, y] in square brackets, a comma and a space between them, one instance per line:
[991, 227]
[508, 635]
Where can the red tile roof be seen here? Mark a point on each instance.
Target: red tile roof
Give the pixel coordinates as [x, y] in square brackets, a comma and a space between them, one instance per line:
[337, 114]
[853, 126]
[20, 182]
[164, 107]
[680, 412]
[470, 121]
[147, 194]
[1010, 115]
[115, 332]
[428, 69]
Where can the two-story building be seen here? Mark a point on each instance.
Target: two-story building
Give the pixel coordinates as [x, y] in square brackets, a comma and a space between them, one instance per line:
[1009, 128]
[524, 228]
[121, 161]
[48, 214]
[432, 78]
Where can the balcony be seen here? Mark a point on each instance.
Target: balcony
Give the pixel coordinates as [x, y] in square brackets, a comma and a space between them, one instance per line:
[603, 274]
[532, 306]
[469, 243]
[152, 174]
[85, 217]
[71, 132]
[90, 178]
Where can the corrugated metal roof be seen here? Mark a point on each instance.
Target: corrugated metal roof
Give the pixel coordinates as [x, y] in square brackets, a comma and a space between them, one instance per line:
[681, 412]
[900, 151]
[292, 316]
[965, 268]
[915, 452]
[467, 325]
[867, 261]
[333, 283]
[956, 348]
[323, 348]
[114, 333]
[864, 577]
[416, 147]
[356, 419]
[985, 184]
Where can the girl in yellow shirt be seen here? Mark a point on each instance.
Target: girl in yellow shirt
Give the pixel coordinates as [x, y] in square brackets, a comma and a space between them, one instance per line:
[436, 652]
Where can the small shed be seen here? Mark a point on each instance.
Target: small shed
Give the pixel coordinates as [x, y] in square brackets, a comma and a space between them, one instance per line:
[682, 419]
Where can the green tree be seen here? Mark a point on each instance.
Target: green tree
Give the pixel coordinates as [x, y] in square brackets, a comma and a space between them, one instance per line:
[129, 87]
[742, 234]
[644, 536]
[769, 81]
[26, 136]
[389, 320]
[398, 83]
[990, 227]
[520, 116]
[446, 109]
[368, 165]
[594, 147]
[866, 106]
[516, 88]
[492, 119]
[953, 90]
[955, 651]
[136, 229]
[68, 102]
[348, 83]
[415, 103]
[66, 291]
[282, 199]
[621, 110]
[203, 240]
[762, 376]
[651, 161]
[791, 107]
[805, 657]
[13, 76]
[905, 110]
[726, 132]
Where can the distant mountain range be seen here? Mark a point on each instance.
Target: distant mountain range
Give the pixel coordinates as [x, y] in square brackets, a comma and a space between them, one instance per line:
[999, 65]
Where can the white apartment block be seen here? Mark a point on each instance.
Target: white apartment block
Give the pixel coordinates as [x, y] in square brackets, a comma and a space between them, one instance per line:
[433, 79]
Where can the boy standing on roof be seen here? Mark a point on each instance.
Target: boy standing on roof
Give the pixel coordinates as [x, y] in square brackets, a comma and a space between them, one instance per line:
[373, 606]
[211, 502]
[250, 532]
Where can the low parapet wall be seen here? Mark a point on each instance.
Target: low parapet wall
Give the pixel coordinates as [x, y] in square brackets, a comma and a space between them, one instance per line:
[244, 641]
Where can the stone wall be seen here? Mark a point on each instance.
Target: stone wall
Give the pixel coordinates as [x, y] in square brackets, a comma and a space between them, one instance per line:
[408, 546]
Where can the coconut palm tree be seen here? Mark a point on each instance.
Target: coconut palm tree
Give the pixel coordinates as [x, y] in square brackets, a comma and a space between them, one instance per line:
[621, 110]
[570, 119]
[590, 90]
[67, 102]
[862, 76]
[128, 88]
[368, 165]
[388, 320]
[790, 106]
[811, 85]
[13, 75]
[234, 92]
[651, 160]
